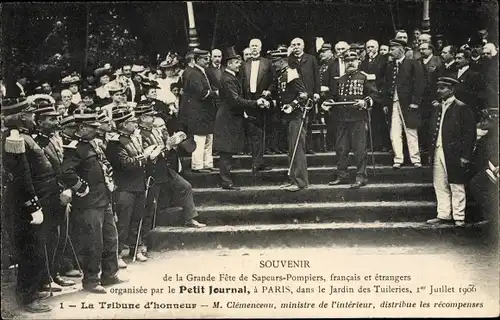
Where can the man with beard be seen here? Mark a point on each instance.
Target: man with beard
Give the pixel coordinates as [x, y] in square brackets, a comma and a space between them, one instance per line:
[66, 97]
[48, 138]
[352, 125]
[307, 65]
[448, 56]
[453, 135]
[257, 75]
[93, 219]
[228, 131]
[23, 200]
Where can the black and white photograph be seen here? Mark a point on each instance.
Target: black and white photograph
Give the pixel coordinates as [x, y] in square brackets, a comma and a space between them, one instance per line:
[249, 159]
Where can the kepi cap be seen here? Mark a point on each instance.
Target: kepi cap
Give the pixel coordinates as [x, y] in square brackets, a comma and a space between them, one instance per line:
[447, 81]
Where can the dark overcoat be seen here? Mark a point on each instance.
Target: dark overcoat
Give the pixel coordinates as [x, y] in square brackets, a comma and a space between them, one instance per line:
[198, 103]
[229, 132]
[458, 136]
[410, 84]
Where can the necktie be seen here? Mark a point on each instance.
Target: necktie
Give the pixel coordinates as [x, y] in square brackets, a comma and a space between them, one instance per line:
[256, 59]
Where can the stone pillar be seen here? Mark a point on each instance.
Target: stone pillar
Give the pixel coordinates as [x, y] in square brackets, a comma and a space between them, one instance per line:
[426, 21]
[192, 33]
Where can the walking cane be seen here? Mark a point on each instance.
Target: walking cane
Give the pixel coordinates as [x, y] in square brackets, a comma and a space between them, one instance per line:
[371, 138]
[48, 267]
[68, 239]
[304, 115]
[149, 183]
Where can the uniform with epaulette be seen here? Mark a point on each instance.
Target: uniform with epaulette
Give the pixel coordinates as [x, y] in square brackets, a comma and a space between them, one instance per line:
[23, 161]
[83, 171]
[51, 143]
[352, 119]
[292, 94]
[126, 155]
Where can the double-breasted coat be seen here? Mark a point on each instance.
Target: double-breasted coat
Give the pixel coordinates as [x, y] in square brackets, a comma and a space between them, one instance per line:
[458, 136]
[229, 132]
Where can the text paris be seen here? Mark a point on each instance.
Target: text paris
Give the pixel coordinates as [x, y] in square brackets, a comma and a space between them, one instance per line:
[213, 290]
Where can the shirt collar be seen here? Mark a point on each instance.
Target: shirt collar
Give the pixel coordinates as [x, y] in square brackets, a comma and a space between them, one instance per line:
[231, 72]
[449, 101]
[300, 55]
[464, 68]
[400, 60]
[374, 56]
[215, 66]
[426, 60]
[447, 65]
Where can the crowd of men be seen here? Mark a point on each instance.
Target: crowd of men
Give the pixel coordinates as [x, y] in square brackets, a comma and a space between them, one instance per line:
[97, 160]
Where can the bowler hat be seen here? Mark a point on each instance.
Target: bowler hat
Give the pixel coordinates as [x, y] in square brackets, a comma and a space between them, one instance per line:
[230, 53]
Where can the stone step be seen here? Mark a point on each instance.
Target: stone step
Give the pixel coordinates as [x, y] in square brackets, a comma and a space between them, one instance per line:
[303, 212]
[314, 234]
[317, 175]
[281, 160]
[315, 193]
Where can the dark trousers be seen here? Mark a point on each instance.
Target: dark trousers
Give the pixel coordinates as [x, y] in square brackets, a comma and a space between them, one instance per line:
[351, 135]
[298, 174]
[331, 132]
[176, 192]
[423, 130]
[380, 129]
[225, 168]
[129, 209]
[276, 131]
[256, 135]
[96, 240]
[53, 233]
[31, 259]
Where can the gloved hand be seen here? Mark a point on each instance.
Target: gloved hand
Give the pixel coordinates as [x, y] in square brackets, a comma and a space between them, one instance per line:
[84, 193]
[37, 217]
[66, 196]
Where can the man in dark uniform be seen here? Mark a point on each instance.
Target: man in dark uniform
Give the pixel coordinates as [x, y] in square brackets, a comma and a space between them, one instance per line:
[325, 70]
[228, 130]
[292, 97]
[128, 159]
[21, 199]
[47, 137]
[167, 182]
[453, 132]
[352, 120]
[94, 224]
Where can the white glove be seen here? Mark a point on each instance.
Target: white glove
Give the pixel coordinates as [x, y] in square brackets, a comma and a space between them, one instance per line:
[66, 196]
[324, 89]
[84, 193]
[326, 105]
[156, 152]
[316, 97]
[148, 151]
[261, 102]
[37, 217]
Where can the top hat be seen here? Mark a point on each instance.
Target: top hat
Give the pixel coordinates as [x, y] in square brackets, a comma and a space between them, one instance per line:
[230, 53]
[11, 106]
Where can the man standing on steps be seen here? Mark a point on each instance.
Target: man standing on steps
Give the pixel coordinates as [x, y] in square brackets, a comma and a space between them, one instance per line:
[292, 97]
[453, 131]
[228, 131]
[258, 81]
[402, 92]
[352, 120]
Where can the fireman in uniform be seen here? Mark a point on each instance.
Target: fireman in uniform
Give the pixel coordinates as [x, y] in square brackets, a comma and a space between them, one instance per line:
[85, 173]
[48, 138]
[292, 96]
[22, 198]
[352, 120]
[166, 180]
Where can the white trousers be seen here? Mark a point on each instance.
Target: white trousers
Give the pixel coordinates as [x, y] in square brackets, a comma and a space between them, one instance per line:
[202, 156]
[450, 196]
[397, 127]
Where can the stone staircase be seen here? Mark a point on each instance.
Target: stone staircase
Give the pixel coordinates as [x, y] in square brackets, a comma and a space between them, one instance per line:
[391, 209]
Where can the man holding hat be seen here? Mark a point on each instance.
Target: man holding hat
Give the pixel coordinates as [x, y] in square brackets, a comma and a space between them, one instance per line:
[453, 132]
[229, 132]
[94, 224]
[21, 199]
[201, 111]
[402, 92]
[352, 119]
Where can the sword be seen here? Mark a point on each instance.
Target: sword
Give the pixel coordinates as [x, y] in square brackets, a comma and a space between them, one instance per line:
[371, 138]
[48, 268]
[304, 115]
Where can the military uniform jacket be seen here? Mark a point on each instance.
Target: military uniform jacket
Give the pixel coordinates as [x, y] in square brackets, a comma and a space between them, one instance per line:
[288, 88]
[458, 136]
[52, 145]
[125, 153]
[159, 170]
[81, 167]
[352, 87]
[20, 196]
